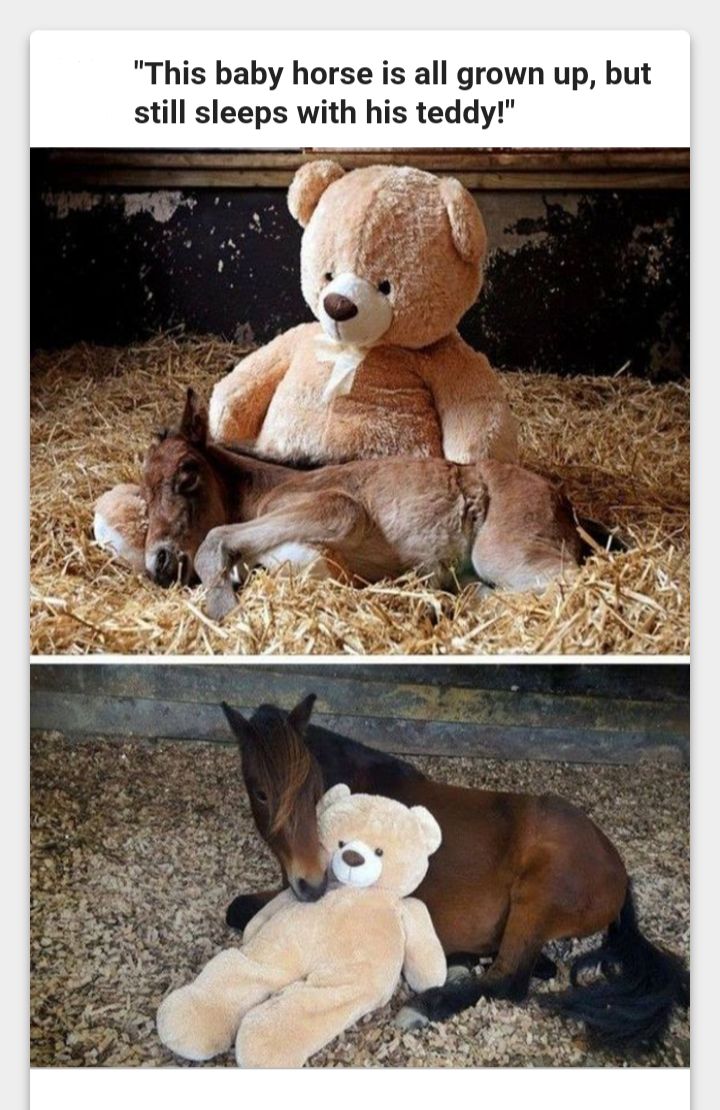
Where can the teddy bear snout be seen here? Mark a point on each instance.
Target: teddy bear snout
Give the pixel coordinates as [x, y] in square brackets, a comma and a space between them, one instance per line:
[353, 859]
[339, 308]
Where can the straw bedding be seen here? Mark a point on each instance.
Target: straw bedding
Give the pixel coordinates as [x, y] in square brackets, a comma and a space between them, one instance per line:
[621, 446]
[136, 849]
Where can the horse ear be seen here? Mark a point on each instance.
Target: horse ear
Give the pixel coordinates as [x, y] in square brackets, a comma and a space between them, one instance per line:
[300, 715]
[242, 729]
[429, 827]
[194, 423]
[331, 796]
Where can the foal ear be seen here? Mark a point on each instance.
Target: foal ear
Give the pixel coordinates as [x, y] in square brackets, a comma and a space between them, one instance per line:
[243, 729]
[300, 715]
[194, 423]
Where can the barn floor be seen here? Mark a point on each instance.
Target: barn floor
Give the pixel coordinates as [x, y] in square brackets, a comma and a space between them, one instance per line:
[137, 848]
[621, 445]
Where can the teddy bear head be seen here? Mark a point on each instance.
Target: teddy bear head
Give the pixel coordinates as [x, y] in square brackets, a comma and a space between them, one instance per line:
[390, 255]
[374, 841]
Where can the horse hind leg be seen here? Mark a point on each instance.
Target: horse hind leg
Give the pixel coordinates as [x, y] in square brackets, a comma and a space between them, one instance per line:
[508, 976]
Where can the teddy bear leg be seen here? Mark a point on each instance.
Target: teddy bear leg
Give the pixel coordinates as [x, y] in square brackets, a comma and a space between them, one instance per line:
[120, 524]
[200, 1020]
[296, 1023]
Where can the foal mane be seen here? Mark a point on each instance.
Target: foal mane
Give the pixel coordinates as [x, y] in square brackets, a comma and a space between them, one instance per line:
[283, 764]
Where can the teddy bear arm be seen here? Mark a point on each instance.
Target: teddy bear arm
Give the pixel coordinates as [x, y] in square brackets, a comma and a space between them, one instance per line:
[240, 400]
[255, 924]
[424, 965]
[475, 417]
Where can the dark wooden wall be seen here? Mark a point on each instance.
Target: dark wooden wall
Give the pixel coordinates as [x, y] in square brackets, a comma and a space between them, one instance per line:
[588, 267]
[616, 713]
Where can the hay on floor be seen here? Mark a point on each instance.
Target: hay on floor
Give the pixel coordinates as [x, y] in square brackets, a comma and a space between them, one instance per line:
[621, 446]
[137, 848]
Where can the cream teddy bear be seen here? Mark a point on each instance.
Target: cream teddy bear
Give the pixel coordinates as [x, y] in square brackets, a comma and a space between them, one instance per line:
[391, 259]
[308, 970]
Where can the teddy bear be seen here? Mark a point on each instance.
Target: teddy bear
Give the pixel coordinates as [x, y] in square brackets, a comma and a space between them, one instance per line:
[308, 970]
[391, 259]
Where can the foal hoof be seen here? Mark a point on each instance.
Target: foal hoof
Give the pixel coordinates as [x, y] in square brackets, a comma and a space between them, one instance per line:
[457, 971]
[408, 1018]
[242, 909]
[220, 601]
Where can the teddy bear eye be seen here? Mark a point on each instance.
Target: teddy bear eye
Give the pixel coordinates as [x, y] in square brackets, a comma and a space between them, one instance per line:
[384, 287]
[378, 851]
[341, 843]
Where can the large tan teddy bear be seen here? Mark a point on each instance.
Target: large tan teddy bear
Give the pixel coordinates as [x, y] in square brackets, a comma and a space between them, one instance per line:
[308, 970]
[391, 259]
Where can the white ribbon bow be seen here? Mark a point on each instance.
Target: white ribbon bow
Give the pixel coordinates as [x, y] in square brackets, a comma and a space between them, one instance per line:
[345, 359]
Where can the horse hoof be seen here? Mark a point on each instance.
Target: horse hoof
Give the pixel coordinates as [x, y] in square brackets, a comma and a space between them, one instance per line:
[457, 971]
[220, 601]
[408, 1019]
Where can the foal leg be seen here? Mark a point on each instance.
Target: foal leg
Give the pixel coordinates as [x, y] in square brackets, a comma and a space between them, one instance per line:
[331, 518]
[245, 906]
[507, 977]
[528, 538]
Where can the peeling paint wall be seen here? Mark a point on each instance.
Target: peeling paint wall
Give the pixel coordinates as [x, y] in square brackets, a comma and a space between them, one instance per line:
[589, 283]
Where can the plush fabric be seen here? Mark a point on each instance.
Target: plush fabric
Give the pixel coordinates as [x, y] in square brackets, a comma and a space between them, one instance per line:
[308, 970]
[405, 250]
[391, 259]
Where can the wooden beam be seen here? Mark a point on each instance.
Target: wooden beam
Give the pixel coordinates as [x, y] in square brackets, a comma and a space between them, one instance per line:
[144, 718]
[482, 169]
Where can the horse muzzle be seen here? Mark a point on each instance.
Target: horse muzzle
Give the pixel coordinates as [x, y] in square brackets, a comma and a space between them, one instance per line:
[305, 891]
[166, 565]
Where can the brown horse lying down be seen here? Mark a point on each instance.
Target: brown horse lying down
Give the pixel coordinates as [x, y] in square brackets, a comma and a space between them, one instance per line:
[513, 872]
[210, 509]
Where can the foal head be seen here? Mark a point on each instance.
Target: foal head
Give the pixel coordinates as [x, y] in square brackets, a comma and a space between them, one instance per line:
[284, 784]
[184, 494]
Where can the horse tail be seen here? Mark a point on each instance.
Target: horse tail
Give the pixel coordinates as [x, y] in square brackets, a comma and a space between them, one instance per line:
[630, 1008]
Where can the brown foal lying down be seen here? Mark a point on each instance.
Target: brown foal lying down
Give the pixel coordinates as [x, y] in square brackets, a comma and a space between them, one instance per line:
[213, 510]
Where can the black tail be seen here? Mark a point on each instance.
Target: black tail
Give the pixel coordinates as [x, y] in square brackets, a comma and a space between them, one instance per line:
[628, 1009]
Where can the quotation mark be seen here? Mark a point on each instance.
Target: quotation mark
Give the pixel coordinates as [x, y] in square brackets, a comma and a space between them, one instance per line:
[139, 63]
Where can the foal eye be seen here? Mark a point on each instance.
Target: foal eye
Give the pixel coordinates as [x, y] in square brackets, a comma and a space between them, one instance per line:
[261, 796]
[384, 287]
[328, 276]
[341, 843]
[378, 851]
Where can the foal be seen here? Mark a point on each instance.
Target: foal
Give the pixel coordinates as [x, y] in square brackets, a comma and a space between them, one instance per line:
[512, 873]
[211, 509]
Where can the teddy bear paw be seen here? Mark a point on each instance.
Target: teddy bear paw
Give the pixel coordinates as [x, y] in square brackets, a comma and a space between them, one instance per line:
[192, 1027]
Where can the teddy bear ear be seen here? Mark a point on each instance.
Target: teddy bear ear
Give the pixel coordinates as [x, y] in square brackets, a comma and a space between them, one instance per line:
[430, 828]
[466, 223]
[308, 185]
[334, 794]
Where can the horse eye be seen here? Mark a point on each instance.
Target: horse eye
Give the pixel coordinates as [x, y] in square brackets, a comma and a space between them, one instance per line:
[261, 796]
[378, 851]
[187, 479]
[328, 276]
[384, 287]
[341, 843]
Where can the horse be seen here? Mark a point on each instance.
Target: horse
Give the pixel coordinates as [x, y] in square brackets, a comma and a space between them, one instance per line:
[210, 509]
[513, 872]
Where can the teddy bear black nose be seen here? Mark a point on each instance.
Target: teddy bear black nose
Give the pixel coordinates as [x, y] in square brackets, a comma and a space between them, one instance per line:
[353, 859]
[339, 307]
